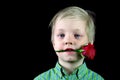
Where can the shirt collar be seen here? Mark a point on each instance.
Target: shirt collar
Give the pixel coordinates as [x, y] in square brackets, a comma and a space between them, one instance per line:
[80, 71]
[58, 69]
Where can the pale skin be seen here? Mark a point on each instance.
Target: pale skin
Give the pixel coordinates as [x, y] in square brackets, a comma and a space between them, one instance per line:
[69, 33]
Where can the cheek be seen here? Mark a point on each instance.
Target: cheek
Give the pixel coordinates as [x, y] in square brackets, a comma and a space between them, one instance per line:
[84, 40]
[57, 45]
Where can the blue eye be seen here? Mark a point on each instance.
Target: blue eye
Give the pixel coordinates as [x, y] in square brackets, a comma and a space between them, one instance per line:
[61, 35]
[76, 36]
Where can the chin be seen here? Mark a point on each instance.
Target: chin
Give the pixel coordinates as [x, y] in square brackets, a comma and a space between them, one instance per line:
[71, 60]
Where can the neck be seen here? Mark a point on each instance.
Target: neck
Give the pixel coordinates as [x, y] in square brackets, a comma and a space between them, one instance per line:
[69, 67]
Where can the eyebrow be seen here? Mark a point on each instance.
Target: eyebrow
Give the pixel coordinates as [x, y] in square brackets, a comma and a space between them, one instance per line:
[61, 30]
[76, 29]
[73, 30]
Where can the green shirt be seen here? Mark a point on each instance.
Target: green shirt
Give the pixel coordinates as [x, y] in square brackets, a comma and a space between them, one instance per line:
[57, 73]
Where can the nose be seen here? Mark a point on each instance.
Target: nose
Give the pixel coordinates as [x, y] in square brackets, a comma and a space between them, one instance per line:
[68, 43]
[69, 40]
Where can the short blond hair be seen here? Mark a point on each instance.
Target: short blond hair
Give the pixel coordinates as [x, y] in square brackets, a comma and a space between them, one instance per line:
[75, 12]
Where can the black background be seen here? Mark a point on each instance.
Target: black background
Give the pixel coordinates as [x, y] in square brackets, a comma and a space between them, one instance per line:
[28, 50]
[105, 41]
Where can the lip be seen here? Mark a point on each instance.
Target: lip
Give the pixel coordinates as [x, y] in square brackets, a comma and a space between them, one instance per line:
[69, 49]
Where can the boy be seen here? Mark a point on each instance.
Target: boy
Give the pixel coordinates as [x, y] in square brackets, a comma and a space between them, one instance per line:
[72, 28]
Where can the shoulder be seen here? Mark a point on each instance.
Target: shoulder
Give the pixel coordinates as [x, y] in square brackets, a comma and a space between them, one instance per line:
[94, 76]
[45, 75]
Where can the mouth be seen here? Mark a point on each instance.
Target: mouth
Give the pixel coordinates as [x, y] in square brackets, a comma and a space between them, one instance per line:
[69, 50]
[66, 50]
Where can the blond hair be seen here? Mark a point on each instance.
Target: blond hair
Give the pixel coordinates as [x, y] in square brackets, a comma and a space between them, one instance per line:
[75, 12]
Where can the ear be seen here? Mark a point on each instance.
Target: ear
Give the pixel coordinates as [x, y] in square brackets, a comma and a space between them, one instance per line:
[52, 42]
[91, 41]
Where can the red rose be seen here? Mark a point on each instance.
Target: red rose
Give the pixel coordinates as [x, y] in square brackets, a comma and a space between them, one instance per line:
[89, 51]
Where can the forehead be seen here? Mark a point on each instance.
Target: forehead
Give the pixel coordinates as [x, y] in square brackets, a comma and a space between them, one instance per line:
[70, 23]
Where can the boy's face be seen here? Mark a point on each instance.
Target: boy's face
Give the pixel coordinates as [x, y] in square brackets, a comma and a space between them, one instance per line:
[69, 34]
